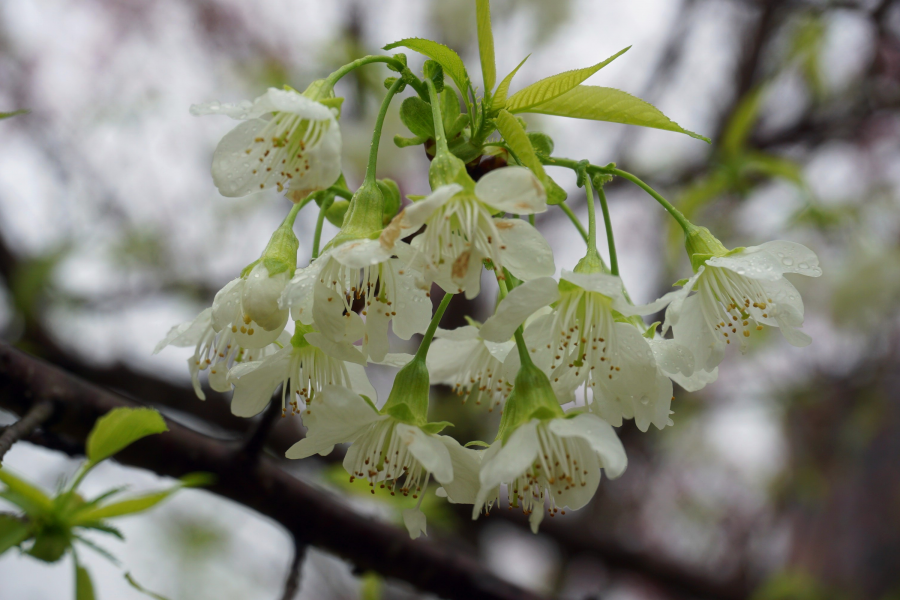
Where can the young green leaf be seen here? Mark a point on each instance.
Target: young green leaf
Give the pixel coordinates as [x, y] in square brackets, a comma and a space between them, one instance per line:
[121, 427]
[141, 588]
[447, 58]
[13, 532]
[517, 140]
[34, 497]
[741, 123]
[612, 105]
[416, 115]
[554, 86]
[499, 99]
[486, 44]
[121, 508]
[84, 587]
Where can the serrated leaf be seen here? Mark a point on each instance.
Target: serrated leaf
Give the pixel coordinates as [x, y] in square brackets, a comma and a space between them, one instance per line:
[6, 115]
[36, 499]
[554, 86]
[486, 43]
[611, 105]
[84, 587]
[446, 57]
[142, 589]
[499, 99]
[517, 140]
[120, 428]
[13, 532]
[449, 110]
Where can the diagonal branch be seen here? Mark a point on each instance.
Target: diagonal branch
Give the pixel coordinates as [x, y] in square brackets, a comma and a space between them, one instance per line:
[33, 419]
[311, 516]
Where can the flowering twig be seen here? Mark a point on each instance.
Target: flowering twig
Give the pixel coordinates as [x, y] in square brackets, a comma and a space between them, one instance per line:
[33, 419]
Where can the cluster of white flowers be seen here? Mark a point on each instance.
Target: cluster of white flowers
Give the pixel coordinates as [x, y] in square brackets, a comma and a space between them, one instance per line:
[577, 341]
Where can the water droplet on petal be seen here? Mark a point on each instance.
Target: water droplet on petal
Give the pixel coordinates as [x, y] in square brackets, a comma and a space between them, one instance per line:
[788, 261]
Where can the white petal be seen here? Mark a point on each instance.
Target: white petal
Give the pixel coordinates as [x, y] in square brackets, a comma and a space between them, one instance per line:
[521, 303]
[187, 334]
[499, 350]
[577, 496]
[328, 312]
[260, 295]
[359, 254]
[335, 416]
[299, 293]
[523, 250]
[671, 357]
[697, 381]
[509, 462]
[794, 257]
[324, 162]
[446, 358]
[431, 453]
[611, 287]
[466, 465]
[411, 303]
[414, 519]
[254, 383]
[293, 102]
[396, 359]
[376, 344]
[466, 332]
[513, 190]
[416, 214]
[339, 350]
[235, 172]
[692, 332]
[599, 435]
[535, 518]
[359, 382]
[226, 306]
[752, 262]
[676, 301]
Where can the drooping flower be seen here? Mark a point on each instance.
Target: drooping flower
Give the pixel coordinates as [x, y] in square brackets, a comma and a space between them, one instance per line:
[587, 339]
[737, 291]
[361, 271]
[395, 447]
[303, 368]
[298, 148]
[472, 366]
[461, 229]
[215, 351]
[543, 456]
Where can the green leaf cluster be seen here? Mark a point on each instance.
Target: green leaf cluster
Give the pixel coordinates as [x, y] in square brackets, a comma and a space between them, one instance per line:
[50, 526]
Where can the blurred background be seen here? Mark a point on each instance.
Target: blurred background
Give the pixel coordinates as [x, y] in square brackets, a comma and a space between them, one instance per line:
[781, 480]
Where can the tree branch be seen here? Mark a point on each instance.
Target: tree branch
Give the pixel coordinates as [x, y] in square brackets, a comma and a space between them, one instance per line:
[33, 419]
[292, 583]
[311, 516]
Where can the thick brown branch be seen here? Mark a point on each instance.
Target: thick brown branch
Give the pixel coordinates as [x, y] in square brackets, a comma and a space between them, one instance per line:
[311, 516]
[33, 419]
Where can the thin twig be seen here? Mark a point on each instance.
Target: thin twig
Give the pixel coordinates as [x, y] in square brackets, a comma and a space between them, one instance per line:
[33, 419]
[292, 583]
[252, 448]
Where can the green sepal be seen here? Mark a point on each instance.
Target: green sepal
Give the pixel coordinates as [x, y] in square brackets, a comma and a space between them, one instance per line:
[541, 142]
[364, 215]
[281, 253]
[337, 211]
[416, 197]
[532, 398]
[400, 412]
[369, 402]
[335, 102]
[51, 543]
[477, 443]
[391, 193]
[399, 57]
[650, 333]
[408, 400]
[681, 282]
[405, 142]
[246, 270]
[698, 260]
[435, 427]
[13, 531]
[592, 262]
[416, 114]
[298, 340]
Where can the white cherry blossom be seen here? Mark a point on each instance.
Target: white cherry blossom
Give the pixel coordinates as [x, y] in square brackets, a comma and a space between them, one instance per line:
[298, 148]
[738, 292]
[461, 230]
[389, 286]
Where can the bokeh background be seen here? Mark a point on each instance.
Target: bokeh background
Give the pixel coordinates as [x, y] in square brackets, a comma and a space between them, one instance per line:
[781, 480]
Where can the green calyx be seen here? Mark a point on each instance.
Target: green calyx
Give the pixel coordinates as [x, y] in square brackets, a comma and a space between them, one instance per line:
[532, 398]
[447, 168]
[280, 254]
[365, 215]
[591, 263]
[298, 340]
[408, 400]
[702, 245]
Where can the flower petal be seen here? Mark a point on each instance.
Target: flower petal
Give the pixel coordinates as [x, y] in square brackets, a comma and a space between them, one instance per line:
[521, 303]
[692, 332]
[339, 350]
[523, 250]
[255, 382]
[466, 332]
[509, 462]
[299, 293]
[411, 303]
[753, 262]
[328, 312]
[335, 416]
[416, 214]
[376, 344]
[226, 306]
[671, 357]
[466, 465]
[599, 435]
[794, 257]
[189, 333]
[428, 450]
[415, 522]
[360, 383]
[359, 254]
[513, 190]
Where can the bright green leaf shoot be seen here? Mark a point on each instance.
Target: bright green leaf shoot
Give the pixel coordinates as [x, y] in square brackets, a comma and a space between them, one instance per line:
[141, 588]
[499, 100]
[518, 142]
[486, 44]
[84, 587]
[554, 86]
[611, 105]
[446, 57]
[6, 115]
[121, 427]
